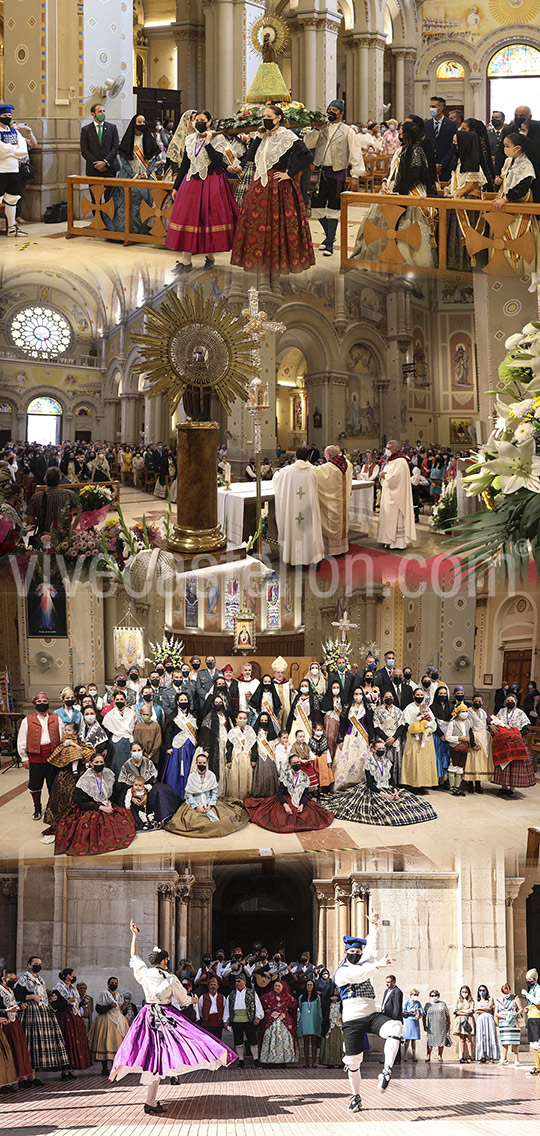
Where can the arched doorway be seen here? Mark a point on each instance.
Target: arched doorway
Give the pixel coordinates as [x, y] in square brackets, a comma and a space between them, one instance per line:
[291, 400]
[266, 902]
[513, 74]
[44, 421]
[533, 926]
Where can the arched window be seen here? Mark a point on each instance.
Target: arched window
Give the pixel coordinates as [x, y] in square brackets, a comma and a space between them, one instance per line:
[44, 405]
[6, 408]
[40, 331]
[450, 69]
[83, 412]
[514, 61]
[513, 74]
[44, 421]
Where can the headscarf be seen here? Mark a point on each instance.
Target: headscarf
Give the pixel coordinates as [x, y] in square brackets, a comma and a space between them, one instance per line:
[441, 711]
[468, 146]
[146, 141]
[486, 160]
[177, 145]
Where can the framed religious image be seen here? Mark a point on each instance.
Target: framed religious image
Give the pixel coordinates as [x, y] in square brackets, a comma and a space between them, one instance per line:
[244, 631]
[460, 431]
[488, 680]
[46, 609]
[317, 419]
[128, 647]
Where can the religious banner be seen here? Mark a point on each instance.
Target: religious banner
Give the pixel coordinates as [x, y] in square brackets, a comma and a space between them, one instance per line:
[128, 647]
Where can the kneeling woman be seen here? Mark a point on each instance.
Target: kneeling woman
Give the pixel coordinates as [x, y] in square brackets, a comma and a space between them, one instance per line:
[378, 800]
[162, 1042]
[291, 809]
[205, 212]
[273, 233]
[201, 815]
[94, 824]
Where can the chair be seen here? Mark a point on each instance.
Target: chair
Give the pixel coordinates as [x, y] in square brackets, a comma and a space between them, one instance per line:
[381, 168]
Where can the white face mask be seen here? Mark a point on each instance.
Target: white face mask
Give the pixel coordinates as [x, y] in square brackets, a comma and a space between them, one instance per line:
[434, 997]
[462, 717]
[90, 719]
[387, 452]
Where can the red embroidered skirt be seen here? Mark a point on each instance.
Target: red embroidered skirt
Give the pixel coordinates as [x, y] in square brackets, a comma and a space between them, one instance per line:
[83, 832]
[15, 1037]
[508, 746]
[268, 812]
[204, 216]
[74, 1035]
[273, 233]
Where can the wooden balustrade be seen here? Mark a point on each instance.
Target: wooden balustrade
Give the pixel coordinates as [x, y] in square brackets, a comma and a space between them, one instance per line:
[77, 485]
[155, 213]
[492, 233]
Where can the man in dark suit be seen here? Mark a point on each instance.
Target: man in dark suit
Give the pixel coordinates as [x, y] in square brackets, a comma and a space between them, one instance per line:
[440, 130]
[346, 679]
[205, 681]
[383, 677]
[523, 123]
[99, 144]
[392, 1005]
[497, 127]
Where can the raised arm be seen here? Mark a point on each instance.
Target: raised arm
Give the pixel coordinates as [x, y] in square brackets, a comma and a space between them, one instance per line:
[134, 932]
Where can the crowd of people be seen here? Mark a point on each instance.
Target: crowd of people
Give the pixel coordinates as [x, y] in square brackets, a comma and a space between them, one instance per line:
[277, 1012]
[202, 752]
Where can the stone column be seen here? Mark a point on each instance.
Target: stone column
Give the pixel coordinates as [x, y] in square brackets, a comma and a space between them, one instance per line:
[399, 98]
[109, 428]
[350, 90]
[342, 895]
[326, 394]
[324, 896]
[128, 428]
[308, 27]
[409, 55]
[153, 416]
[225, 77]
[359, 909]
[200, 918]
[327, 33]
[21, 425]
[476, 88]
[399, 339]
[362, 78]
[187, 38]
[211, 44]
[512, 886]
[375, 75]
[166, 917]
[182, 891]
[67, 427]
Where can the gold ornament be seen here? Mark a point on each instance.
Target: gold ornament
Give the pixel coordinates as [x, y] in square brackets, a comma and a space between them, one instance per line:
[195, 343]
[514, 11]
[277, 31]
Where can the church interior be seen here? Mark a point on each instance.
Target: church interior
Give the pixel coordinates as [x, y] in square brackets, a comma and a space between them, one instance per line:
[341, 355]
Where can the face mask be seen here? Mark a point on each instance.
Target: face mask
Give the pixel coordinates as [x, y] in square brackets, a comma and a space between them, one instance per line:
[100, 117]
[113, 986]
[6, 119]
[268, 124]
[388, 702]
[372, 666]
[369, 680]
[295, 765]
[519, 119]
[183, 706]
[93, 693]
[155, 682]
[169, 670]
[202, 127]
[477, 705]
[185, 672]
[462, 717]
[12, 982]
[332, 116]
[147, 697]
[379, 753]
[304, 690]
[69, 702]
[511, 705]
[98, 768]
[426, 684]
[134, 676]
[160, 670]
[390, 662]
[121, 682]
[496, 124]
[433, 111]
[419, 701]
[90, 719]
[483, 993]
[407, 675]
[354, 957]
[201, 768]
[139, 129]
[136, 756]
[434, 997]
[341, 666]
[195, 666]
[42, 707]
[36, 969]
[363, 130]
[120, 705]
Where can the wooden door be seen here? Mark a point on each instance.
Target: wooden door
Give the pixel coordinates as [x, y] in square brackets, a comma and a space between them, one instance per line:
[517, 668]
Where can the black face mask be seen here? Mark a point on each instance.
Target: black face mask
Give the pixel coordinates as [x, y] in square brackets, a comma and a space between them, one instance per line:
[120, 705]
[42, 707]
[169, 670]
[269, 124]
[121, 682]
[6, 119]
[477, 705]
[332, 116]
[407, 675]
[183, 706]
[195, 666]
[155, 682]
[369, 680]
[202, 127]
[419, 701]
[511, 705]
[295, 765]
[201, 768]
[354, 957]
[35, 968]
[134, 676]
[113, 986]
[388, 702]
[519, 119]
[11, 982]
[185, 672]
[496, 124]
[69, 702]
[379, 753]
[160, 670]
[426, 685]
[147, 697]
[98, 768]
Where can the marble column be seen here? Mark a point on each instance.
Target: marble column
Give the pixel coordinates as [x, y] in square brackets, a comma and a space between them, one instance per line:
[375, 74]
[512, 887]
[225, 103]
[309, 24]
[110, 426]
[362, 78]
[128, 428]
[392, 392]
[21, 425]
[153, 415]
[359, 909]
[342, 895]
[398, 109]
[189, 39]
[67, 427]
[326, 394]
[211, 48]
[324, 896]
[200, 918]
[182, 890]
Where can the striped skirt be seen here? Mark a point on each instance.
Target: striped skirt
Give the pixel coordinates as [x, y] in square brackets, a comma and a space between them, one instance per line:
[44, 1038]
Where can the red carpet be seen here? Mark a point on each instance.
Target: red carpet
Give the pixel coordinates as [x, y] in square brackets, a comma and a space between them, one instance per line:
[364, 567]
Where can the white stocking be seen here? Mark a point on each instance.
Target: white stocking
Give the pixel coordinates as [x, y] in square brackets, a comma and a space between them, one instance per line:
[240, 1052]
[355, 1081]
[10, 211]
[391, 1047]
[151, 1092]
[255, 1052]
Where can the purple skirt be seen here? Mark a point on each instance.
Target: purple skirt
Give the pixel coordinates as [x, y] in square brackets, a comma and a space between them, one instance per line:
[161, 1042]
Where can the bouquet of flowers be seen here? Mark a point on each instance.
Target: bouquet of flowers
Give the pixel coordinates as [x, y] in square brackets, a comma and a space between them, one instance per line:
[95, 502]
[506, 473]
[444, 513]
[332, 649]
[250, 117]
[169, 648]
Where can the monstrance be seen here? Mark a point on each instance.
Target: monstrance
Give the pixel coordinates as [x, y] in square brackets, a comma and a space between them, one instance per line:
[190, 349]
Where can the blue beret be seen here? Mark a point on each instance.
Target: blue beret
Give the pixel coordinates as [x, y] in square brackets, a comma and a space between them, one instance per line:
[5, 108]
[352, 943]
[337, 103]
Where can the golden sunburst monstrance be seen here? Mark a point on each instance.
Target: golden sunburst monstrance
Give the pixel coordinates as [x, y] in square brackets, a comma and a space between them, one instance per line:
[197, 343]
[278, 30]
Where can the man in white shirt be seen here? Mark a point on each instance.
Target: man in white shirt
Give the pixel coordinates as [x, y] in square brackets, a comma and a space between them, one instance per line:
[244, 1012]
[337, 148]
[13, 150]
[247, 685]
[39, 735]
[359, 1010]
[211, 1009]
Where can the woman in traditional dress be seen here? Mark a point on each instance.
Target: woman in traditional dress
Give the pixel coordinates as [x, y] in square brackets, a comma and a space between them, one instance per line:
[273, 233]
[278, 1043]
[305, 711]
[322, 758]
[120, 722]
[409, 176]
[205, 213]
[436, 1023]
[476, 126]
[151, 805]
[43, 1035]
[138, 154]
[94, 824]
[265, 772]
[378, 800]
[442, 712]
[14, 1033]
[419, 764]
[91, 732]
[109, 1026]
[317, 680]
[518, 174]
[70, 758]
[487, 1042]
[292, 809]
[213, 735]
[412, 1016]
[177, 145]
[465, 1025]
[436, 478]
[325, 987]
[331, 1053]
[310, 1023]
[201, 815]
[266, 698]
[332, 707]
[161, 1042]
[137, 765]
[468, 180]
[240, 756]
[8, 1072]
[68, 712]
[355, 731]
[513, 766]
[180, 741]
[508, 1018]
[388, 725]
[67, 1010]
[479, 760]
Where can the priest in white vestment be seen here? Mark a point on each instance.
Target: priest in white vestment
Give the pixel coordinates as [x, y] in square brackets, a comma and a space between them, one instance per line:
[298, 516]
[396, 515]
[334, 484]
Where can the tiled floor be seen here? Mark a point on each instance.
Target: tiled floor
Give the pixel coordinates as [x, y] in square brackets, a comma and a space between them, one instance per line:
[473, 1100]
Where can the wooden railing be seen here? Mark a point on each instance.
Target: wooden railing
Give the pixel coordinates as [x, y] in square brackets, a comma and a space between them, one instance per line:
[77, 485]
[491, 235]
[150, 212]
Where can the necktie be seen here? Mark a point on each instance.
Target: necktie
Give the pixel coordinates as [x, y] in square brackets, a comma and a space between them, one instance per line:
[100, 132]
[437, 125]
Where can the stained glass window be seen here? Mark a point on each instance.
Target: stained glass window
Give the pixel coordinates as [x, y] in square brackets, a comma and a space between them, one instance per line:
[40, 332]
[514, 61]
[192, 601]
[273, 603]
[232, 602]
[450, 69]
[83, 412]
[44, 405]
[5, 408]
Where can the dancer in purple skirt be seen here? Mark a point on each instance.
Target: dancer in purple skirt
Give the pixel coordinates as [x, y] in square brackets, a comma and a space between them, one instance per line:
[161, 1042]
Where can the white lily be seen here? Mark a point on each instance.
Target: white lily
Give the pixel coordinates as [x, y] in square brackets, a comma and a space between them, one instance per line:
[477, 483]
[513, 341]
[517, 409]
[518, 467]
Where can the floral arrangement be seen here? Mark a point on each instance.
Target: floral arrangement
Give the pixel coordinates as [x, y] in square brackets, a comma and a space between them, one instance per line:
[444, 513]
[169, 648]
[332, 649]
[95, 496]
[249, 117]
[506, 472]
